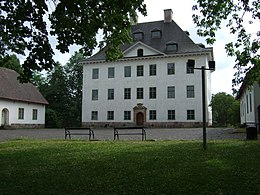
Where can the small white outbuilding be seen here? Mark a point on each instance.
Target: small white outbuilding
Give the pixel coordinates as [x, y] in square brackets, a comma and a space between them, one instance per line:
[21, 105]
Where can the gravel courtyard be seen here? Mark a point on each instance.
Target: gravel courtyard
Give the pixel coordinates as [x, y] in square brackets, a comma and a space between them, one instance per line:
[108, 134]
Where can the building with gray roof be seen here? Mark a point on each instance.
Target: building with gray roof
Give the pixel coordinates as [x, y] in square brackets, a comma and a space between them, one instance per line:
[151, 85]
[21, 104]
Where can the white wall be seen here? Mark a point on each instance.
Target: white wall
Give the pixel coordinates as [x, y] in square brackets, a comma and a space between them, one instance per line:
[133, 51]
[180, 80]
[247, 111]
[13, 107]
[257, 100]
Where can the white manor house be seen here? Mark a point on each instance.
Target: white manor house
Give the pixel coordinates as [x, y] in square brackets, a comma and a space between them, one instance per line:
[151, 85]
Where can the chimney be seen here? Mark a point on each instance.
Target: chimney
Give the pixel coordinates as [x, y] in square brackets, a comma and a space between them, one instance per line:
[167, 15]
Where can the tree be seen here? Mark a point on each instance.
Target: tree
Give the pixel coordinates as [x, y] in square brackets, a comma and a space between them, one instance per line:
[24, 29]
[74, 72]
[63, 89]
[209, 17]
[11, 62]
[56, 92]
[225, 110]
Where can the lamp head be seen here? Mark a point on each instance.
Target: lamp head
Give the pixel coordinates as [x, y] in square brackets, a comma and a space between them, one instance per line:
[212, 65]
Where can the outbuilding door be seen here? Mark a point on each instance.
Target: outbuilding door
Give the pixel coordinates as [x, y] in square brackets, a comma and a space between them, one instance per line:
[5, 117]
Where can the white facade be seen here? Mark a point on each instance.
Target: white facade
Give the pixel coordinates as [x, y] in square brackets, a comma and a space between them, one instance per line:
[250, 104]
[160, 91]
[9, 110]
[161, 81]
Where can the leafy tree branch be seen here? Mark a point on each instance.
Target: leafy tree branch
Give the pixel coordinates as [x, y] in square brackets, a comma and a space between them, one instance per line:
[210, 15]
[24, 30]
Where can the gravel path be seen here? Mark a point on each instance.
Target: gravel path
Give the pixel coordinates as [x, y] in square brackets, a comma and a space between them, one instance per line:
[107, 134]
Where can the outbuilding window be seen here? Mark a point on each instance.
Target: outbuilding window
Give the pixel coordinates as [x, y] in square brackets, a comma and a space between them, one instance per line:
[34, 114]
[21, 113]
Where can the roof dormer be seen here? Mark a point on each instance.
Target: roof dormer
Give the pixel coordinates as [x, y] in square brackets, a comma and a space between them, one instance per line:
[171, 46]
[138, 35]
[156, 33]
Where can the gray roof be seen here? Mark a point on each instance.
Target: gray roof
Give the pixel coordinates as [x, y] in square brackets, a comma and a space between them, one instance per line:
[170, 33]
[12, 89]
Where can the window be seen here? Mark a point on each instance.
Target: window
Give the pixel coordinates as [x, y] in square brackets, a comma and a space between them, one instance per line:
[250, 102]
[189, 70]
[110, 94]
[190, 91]
[140, 71]
[139, 93]
[171, 47]
[170, 68]
[110, 115]
[94, 115]
[94, 94]
[140, 53]
[152, 69]
[190, 114]
[95, 73]
[171, 114]
[21, 113]
[127, 115]
[127, 71]
[171, 92]
[156, 34]
[138, 36]
[247, 107]
[111, 72]
[152, 114]
[127, 94]
[152, 92]
[34, 114]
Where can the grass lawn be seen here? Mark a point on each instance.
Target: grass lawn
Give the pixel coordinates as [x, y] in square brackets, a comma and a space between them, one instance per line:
[129, 167]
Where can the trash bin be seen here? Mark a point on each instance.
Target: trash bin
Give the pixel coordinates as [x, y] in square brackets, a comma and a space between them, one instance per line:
[251, 133]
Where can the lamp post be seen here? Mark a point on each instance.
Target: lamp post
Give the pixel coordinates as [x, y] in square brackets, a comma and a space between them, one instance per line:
[191, 65]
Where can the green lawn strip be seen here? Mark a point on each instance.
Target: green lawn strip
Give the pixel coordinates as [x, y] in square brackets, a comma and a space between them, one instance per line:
[131, 167]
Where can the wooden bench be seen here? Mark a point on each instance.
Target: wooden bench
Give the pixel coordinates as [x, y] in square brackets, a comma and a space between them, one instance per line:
[141, 132]
[79, 131]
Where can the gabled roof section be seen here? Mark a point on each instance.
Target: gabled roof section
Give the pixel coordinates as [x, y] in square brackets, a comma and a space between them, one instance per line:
[170, 32]
[139, 44]
[12, 89]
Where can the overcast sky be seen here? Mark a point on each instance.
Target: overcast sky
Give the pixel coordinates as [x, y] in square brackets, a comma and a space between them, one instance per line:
[182, 15]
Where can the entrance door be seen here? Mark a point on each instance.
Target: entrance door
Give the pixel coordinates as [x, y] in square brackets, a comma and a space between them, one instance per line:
[140, 119]
[5, 117]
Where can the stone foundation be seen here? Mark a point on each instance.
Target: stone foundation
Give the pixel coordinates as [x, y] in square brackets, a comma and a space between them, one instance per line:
[148, 125]
[27, 126]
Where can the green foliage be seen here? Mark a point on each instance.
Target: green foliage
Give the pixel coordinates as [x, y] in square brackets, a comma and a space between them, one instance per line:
[211, 14]
[74, 72]
[51, 119]
[63, 90]
[225, 110]
[11, 62]
[55, 90]
[163, 167]
[24, 28]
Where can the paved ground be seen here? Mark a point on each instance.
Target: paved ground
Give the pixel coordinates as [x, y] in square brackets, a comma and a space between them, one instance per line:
[107, 134]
